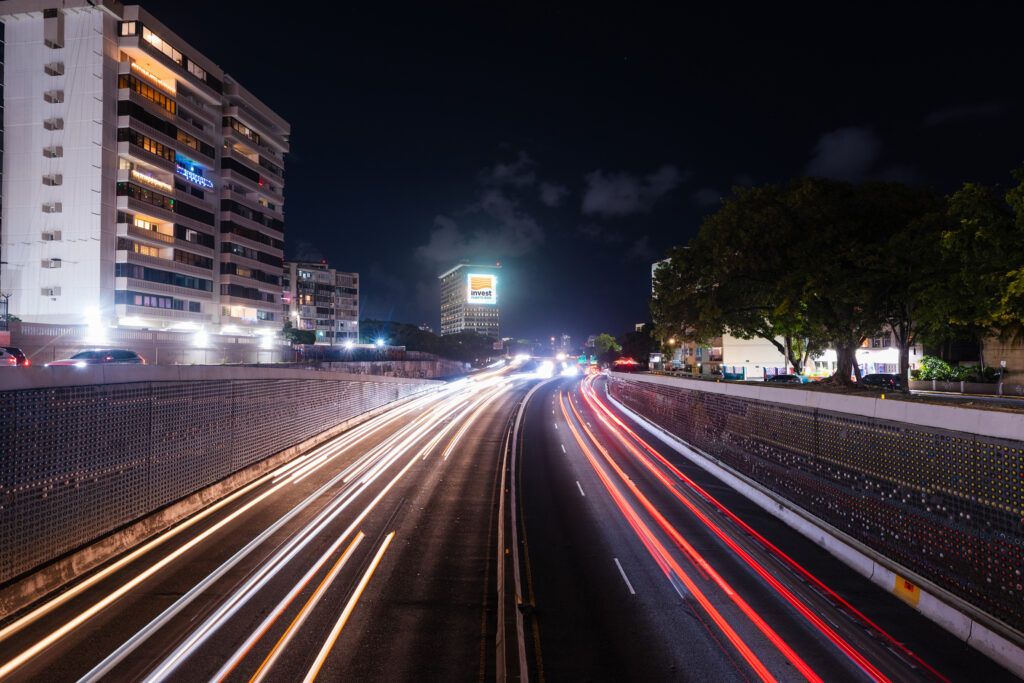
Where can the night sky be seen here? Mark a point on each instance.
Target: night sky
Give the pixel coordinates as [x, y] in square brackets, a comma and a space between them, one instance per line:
[575, 145]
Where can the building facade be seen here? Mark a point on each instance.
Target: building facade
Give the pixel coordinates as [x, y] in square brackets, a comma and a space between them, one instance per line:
[320, 299]
[469, 300]
[142, 184]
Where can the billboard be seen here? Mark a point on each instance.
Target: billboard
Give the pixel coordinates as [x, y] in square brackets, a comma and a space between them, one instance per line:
[481, 289]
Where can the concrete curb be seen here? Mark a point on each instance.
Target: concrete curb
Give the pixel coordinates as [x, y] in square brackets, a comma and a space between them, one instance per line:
[935, 603]
[23, 592]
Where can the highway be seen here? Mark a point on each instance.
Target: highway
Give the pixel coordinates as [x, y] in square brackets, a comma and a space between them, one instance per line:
[377, 556]
[640, 566]
[370, 557]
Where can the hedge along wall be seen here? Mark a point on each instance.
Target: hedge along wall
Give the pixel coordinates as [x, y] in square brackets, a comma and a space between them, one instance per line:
[84, 451]
[935, 489]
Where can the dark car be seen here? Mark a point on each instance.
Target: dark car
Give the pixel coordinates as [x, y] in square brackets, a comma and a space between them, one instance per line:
[788, 379]
[100, 356]
[12, 356]
[883, 380]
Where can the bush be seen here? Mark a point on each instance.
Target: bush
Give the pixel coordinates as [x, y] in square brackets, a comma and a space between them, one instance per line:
[932, 368]
[938, 369]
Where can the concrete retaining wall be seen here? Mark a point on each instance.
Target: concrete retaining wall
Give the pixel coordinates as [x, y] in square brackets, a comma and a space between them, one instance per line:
[934, 493]
[86, 451]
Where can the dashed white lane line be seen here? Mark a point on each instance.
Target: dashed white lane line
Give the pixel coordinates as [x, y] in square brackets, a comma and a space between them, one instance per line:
[563, 447]
[581, 489]
[556, 426]
[624, 578]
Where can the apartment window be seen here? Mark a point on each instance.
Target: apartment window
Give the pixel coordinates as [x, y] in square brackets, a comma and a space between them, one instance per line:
[190, 259]
[239, 127]
[145, 250]
[129, 28]
[147, 91]
[138, 272]
[161, 45]
[194, 307]
[193, 236]
[144, 224]
[196, 70]
[264, 315]
[143, 195]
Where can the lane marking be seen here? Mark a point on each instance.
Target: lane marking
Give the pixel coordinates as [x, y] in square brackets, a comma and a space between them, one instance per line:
[624, 577]
[563, 447]
[556, 426]
[581, 489]
[336, 631]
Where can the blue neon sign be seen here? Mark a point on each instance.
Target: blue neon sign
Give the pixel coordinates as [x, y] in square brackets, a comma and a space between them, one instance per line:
[194, 177]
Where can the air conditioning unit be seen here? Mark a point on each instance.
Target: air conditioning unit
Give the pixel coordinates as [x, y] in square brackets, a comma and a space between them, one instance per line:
[53, 96]
[53, 124]
[53, 179]
[54, 69]
[51, 236]
[53, 207]
[50, 291]
[51, 263]
[53, 152]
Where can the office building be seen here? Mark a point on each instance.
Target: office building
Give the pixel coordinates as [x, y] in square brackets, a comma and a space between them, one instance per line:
[320, 299]
[143, 186]
[469, 300]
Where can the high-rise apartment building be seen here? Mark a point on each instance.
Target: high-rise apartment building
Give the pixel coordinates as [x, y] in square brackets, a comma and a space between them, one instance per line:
[323, 300]
[143, 186]
[469, 300]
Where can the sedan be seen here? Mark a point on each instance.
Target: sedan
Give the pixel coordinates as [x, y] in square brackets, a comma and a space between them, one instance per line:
[12, 356]
[884, 380]
[101, 356]
[788, 379]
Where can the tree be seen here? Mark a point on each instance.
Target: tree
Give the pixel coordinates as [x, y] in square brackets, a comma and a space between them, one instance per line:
[296, 336]
[606, 347]
[982, 257]
[737, 276]
[638, 344]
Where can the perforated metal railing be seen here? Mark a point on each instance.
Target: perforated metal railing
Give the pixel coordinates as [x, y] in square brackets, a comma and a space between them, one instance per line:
[947, 505]
[78, 462]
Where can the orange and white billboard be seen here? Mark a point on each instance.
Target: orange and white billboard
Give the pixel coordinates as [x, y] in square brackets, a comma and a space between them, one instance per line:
[481, 289]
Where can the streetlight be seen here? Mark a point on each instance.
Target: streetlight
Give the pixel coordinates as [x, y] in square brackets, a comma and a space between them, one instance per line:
[380, 343]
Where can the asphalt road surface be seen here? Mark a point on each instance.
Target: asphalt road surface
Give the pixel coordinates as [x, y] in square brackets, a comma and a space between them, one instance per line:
[387, 554]
[372, 557]
[640, 566]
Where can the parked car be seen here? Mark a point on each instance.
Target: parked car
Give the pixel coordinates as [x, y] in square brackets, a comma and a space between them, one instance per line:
[788, 379]
[884, 380]
[100, 356]
[12, 356]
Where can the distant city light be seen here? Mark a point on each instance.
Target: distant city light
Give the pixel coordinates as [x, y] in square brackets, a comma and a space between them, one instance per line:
[194, 177]
[349, 345]
[380, 343]
[201, 339]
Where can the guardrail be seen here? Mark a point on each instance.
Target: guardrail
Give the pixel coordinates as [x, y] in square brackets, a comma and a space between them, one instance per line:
[84, 451]
[937, 490]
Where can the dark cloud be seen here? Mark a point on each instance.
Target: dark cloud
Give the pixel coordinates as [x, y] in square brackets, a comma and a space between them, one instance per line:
[641, 250]
[552, 194]
[493, 228]
[305, 251]
[988, 109]
[844, 154]
[518, 173]
[622, 194]
[707, 196]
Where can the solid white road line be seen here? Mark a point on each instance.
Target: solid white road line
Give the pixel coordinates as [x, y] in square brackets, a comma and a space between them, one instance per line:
[628, 584]
[563, 447]
[581, 489]
[336, 631]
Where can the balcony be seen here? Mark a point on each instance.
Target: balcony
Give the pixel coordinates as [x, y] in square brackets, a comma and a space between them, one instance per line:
[128, 229]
